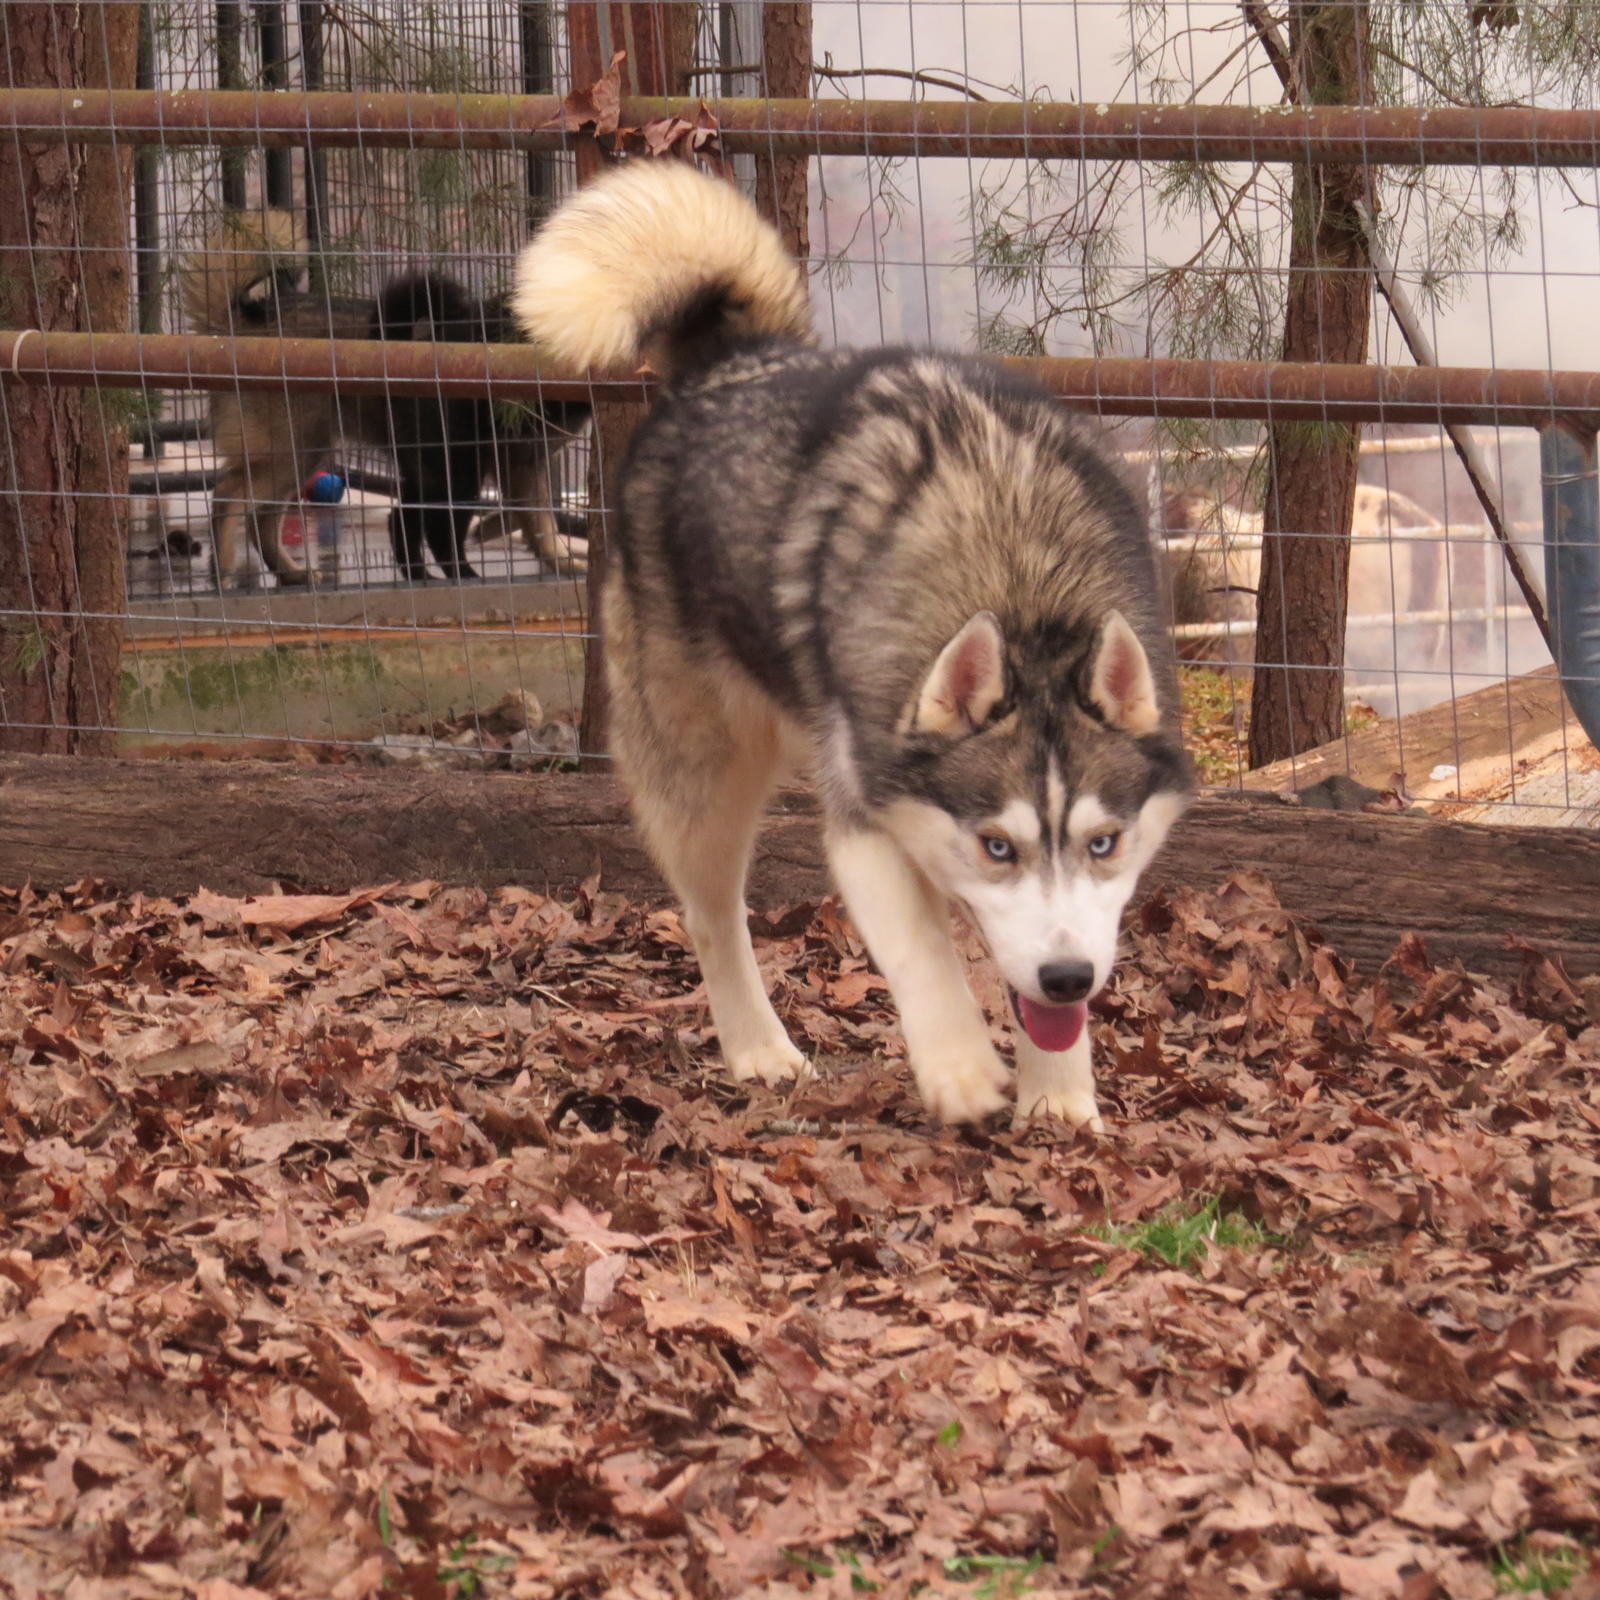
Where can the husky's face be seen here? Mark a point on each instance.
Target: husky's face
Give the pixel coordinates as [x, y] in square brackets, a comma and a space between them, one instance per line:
[1046, 887]
[1039, 823]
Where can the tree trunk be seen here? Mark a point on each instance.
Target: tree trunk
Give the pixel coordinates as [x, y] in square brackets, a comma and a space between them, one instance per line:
[64, 213]
[1297, 701]
[782, 182]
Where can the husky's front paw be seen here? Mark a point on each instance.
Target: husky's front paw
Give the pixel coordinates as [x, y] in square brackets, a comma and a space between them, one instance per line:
[1077, 1109]
[961, 1083]
[768, 1063]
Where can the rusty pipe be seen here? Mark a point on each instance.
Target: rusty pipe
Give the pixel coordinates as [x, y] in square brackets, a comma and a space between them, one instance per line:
[1117, 387]
[354, 366]
[1032, 129]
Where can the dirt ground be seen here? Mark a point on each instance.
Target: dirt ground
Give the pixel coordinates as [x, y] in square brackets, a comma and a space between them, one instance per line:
[408, 1243]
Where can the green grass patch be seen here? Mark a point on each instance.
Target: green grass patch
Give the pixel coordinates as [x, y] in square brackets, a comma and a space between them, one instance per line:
[1216, 715]
[24, 645]
[1216, 720]
[469, 1568]
[1182, 1238]
[822, 1567]
[991, 1577]
[994, 1577]
[1535, 1569]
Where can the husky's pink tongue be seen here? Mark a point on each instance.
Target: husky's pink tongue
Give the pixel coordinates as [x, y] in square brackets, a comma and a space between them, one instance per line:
[1051, 1027]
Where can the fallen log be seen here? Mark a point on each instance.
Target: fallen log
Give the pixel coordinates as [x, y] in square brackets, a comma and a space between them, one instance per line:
[168, 828]
[1484, 731]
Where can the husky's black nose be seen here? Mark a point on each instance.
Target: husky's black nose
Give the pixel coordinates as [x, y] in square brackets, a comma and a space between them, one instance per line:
[1066, 981]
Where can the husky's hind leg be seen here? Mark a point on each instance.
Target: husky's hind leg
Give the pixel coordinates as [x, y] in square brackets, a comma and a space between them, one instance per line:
[907, 929]
[699, 773]
[1057, 1081]
[700, 827]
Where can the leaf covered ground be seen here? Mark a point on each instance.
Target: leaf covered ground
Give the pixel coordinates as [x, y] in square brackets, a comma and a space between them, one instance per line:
[406, 1243]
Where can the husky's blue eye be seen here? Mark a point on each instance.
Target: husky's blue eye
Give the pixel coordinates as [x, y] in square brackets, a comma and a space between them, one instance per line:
[998, 848]
[1102, 845]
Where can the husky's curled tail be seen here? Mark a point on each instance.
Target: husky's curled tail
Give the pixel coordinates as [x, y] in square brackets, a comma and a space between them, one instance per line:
[655, 262]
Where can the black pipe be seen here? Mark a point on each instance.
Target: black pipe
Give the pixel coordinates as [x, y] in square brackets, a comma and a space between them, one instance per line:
[160, 483]
[230, 75]
[538, 77]
[274, 40]
[313, 73]
[147, 220]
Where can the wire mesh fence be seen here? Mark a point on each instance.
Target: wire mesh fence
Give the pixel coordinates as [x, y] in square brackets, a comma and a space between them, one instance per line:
[315, 570]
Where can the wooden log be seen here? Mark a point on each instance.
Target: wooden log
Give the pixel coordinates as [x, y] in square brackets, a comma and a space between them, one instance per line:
[1484, 730]
[238, 828]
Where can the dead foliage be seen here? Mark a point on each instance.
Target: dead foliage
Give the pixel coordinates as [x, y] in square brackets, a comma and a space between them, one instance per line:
[597, 111]
[402, 1243]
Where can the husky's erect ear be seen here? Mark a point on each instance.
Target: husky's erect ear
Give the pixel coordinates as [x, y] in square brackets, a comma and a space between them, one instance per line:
[967, 681]
[1121, 686]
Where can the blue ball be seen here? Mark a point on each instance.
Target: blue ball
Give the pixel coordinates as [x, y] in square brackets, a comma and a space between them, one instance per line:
[325, 489]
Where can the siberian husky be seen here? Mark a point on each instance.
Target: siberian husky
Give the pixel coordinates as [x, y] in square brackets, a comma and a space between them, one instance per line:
[904, 573]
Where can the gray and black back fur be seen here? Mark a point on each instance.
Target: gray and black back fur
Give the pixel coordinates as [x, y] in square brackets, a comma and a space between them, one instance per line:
[864, 505]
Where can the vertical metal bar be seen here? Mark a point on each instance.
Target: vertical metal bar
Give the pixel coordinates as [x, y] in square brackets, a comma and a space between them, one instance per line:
[659, 41]
[739, 46]
[727, 42]
[274, 40]
[1569, 462]
[230, 75]
[146, 199]
[147, 230]
[538, 77]
[313, 76]
[588, 45]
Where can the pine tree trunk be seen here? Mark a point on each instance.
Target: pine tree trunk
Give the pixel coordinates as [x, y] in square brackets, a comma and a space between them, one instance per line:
[64, 214]
[782, 182]
[1297, 701]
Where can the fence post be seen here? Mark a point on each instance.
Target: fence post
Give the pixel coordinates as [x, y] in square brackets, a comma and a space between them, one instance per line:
[1569, 459]
[659, 41]
[782, 182]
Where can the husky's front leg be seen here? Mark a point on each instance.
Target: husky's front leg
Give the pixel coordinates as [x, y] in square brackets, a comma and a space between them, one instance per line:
[907, 930]
[1061, 1082]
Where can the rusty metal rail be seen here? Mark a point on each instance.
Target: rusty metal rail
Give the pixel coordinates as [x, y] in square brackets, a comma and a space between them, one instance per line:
[355, 366]
[1033, 129]
[1221, 389]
